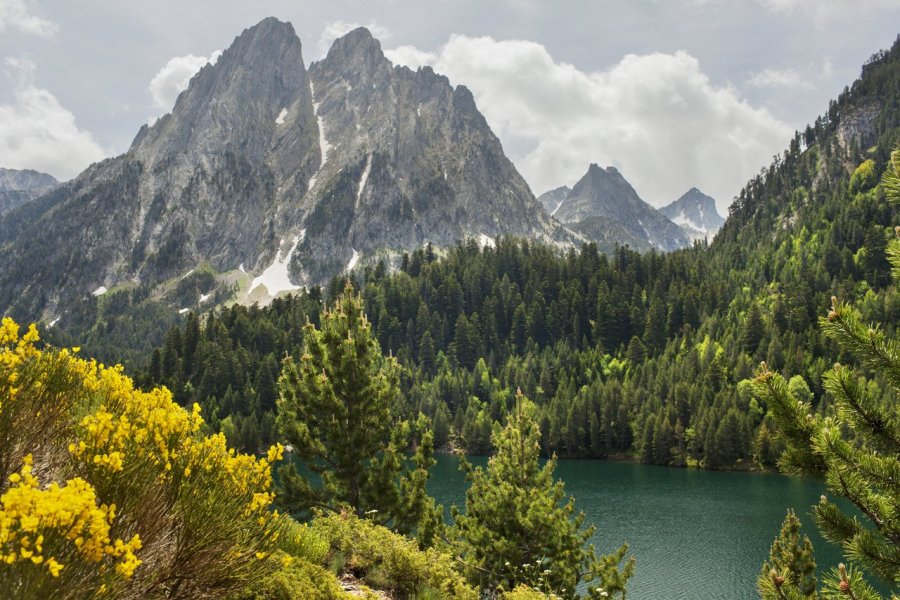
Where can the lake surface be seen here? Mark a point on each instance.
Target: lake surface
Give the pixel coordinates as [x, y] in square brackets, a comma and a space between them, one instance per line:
[695, 534]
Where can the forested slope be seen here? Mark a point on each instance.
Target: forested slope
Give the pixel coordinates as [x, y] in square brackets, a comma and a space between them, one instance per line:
[627, 353]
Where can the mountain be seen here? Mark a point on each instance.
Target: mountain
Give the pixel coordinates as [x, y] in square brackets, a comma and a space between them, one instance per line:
[267, 176]
[552, 200]
[604, 208]
[696, 213]
[19, 186]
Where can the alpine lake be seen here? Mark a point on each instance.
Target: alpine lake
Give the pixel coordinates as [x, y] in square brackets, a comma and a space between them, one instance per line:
[695, 534]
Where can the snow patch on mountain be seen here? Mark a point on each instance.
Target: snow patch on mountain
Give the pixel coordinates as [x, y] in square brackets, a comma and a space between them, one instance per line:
[353, 260]
[275, 277]
[682, 220]
[363, 179]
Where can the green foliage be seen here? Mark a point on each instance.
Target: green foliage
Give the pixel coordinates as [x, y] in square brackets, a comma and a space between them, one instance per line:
[864, 177]
[857, 449]
[387, 561]
[110, 492]
[336, 410]
[790, 571]
[297, 580]
[518, 527]
[583, 333]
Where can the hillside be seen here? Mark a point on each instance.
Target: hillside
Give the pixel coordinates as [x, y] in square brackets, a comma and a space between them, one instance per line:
[640, 355]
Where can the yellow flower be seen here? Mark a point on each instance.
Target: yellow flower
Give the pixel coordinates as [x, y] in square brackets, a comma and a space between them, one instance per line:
[54, 567]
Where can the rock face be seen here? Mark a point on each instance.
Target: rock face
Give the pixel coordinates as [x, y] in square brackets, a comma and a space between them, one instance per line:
[604, 208]
[695, 212]
[275, 175]
[19, 186]
[407, 159]
[552, 201]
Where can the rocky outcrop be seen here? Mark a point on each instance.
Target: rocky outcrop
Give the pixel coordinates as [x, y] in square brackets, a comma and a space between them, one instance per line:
[857, 127]
[552, 201]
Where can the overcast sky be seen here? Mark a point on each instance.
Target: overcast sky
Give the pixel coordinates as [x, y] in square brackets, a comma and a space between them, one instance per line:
[674, 93]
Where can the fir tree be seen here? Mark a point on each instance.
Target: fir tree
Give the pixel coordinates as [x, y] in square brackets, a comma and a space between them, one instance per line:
[336, 410]
[517, 529]
[790, 572]
[857, 450]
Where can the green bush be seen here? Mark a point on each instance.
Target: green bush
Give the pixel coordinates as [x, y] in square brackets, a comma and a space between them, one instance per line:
[864, 177]
[384, 560]
[298, 580]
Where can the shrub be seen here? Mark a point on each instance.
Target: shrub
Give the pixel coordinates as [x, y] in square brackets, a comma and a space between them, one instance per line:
[111, 491]
[389, 561]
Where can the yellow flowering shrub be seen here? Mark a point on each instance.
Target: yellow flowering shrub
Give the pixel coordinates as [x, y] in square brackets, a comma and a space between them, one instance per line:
[61, 528]
[121, 464]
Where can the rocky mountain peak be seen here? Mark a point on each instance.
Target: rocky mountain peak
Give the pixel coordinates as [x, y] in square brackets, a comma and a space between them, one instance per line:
[270, 177]
[261, 72]
[696, 213]
[18, 187]
[358, 42]
[604, 207]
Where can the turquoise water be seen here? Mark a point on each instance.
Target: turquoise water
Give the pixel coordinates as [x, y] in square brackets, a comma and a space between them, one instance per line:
[695, 534]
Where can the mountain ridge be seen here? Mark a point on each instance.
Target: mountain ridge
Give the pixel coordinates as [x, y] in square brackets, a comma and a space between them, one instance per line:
[19, 186]
[266, 172]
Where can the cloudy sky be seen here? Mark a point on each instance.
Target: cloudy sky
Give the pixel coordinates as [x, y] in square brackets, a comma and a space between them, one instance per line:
[674, 93]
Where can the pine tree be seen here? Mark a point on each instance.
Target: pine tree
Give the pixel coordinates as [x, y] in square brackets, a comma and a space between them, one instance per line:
[753, 331]
[790, 572]
[517, 529]
[857, 450]
[336, 410]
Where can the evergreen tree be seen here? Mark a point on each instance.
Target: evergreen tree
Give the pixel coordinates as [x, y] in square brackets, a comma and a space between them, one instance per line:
[336, 410]
[790, 572]
[857, 450]
[753, 331]
[517, 528]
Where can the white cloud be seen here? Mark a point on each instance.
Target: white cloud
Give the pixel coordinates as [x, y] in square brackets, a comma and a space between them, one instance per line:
[779, 78]
[336, 29]
[410, 56]
[37, 132]
[18, 15]
[174, 77]
[790, 79]
[657, 117]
